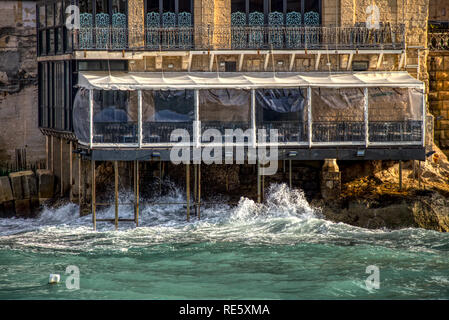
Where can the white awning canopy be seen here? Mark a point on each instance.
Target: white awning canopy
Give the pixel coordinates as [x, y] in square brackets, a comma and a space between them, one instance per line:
[236, 80]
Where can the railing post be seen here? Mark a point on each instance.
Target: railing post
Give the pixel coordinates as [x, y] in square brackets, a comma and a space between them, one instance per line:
[309, 114]
[197, 125]
[365, 117]
[91, 117]
[139, 117]
[253, 117]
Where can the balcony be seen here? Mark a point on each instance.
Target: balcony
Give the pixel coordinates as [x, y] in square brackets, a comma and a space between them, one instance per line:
[438, 39]
[388, 37]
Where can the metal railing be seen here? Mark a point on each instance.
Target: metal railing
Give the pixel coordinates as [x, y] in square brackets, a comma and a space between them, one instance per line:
[438, 40]
[240, 38]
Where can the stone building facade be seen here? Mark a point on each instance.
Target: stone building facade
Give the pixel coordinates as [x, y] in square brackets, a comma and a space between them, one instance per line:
[18, 83]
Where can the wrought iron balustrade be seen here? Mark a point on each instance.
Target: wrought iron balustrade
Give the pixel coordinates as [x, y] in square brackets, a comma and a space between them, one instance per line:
[281, 37]
[438, 40]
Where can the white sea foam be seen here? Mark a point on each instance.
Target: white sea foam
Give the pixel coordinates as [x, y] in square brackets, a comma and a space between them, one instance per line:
[284, 218]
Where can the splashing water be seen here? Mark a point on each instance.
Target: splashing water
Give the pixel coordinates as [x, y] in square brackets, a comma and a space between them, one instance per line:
[281, 249]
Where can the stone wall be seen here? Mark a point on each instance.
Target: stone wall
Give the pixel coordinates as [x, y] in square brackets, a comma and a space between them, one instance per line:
[439, 10]
[18, 82]
[438, 63]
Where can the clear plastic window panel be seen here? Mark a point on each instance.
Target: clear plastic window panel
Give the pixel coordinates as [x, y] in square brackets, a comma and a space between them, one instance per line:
[223, 109]
[395, 114]
[115, 117]
[284, 110]
[338, 115]
[165, 111]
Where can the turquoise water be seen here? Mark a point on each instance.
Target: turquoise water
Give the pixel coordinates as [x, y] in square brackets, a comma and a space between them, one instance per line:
[282, 249]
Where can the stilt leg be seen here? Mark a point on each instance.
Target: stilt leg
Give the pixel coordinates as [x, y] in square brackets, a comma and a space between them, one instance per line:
[195, 188]
[400, 175]
[80, 203]
[258, 183]
[61, 166]
[94, 217]
[71, 171]
[290, 173]
[199, 191]
[188, 190]
[116, 193]
[137, 193]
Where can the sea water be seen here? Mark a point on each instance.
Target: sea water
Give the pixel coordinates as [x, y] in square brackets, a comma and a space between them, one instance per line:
[281, 249]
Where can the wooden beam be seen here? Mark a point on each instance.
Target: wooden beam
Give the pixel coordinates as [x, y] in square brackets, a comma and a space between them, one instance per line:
[211, 61]
[379, 60]
[188, 190]
[94, 217]
[292, 61]
[317, 61]
[116, 193]
[241, 56]
[351, 56]
[265, 63]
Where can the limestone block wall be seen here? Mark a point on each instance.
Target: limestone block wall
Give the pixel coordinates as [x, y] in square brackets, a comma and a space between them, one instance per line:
[438, 63]
[18, 82]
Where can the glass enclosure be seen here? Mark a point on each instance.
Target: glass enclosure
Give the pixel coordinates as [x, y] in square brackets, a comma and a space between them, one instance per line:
[165, 111]
[284, 110]
[339, 116]
[395, 114]
[223, 109]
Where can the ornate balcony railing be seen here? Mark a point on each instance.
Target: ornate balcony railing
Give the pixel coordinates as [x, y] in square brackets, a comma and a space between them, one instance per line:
[438, 40]
[390, 37]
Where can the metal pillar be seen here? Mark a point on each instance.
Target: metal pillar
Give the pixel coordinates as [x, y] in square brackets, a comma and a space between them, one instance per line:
[94, 217]
[195, 188]
[116, 193]
[160, 177]
[47, 155]
[52, 155]
[71, 173]
[61, 168]
[400, 175]
[290, 173]
[199, 191]
[79, 185]
[136, 192]
[258, 182]
[188, 190]
[419, 174]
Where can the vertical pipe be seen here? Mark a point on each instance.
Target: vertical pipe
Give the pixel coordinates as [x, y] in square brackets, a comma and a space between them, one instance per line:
[91, 117]
[199, 191]
[258, 182]
[309, 114]
[137, 193]
[188, 190]
[139, 117]
[419, 174]
[197, 129]
[71, 169]
[365, 117]
[290, 173]
[423, 129]
[262, 189]
[160, 177]
[253, 118]
[400, 175]
[79, 184]
[52, 155]
[47, 155]
[195, 187]
[116, 192]
[94, 217]
[61, 172]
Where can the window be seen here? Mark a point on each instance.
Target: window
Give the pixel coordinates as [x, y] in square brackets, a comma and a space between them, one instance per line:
[169, 12]
[277, 12]
[52, 33]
